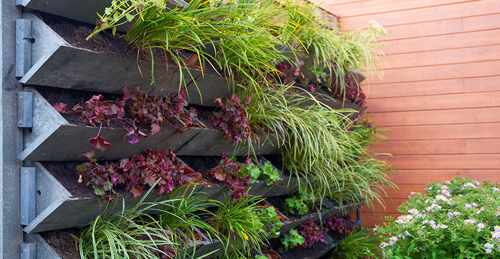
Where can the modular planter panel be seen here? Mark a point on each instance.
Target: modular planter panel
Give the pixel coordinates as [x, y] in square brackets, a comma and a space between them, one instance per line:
[57, 207]
[211, 142]
[53, 138]
[57, 63]
[79, 10]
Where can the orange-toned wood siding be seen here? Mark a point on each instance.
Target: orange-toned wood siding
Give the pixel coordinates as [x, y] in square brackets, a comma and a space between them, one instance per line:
[440, 94]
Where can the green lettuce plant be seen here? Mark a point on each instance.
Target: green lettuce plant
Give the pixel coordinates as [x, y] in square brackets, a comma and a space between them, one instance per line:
[457, 219]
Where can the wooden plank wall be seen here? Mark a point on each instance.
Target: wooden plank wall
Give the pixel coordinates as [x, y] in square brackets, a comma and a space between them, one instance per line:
[440, 94]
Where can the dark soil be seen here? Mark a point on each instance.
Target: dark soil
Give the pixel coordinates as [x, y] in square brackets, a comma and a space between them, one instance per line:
[203, 164]
[75, 33]
[300, 252]
[65, 173]
[204, 114]
[63, 243]
[74, 97]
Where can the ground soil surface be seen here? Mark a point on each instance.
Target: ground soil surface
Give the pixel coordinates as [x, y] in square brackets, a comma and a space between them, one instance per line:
[63, 242]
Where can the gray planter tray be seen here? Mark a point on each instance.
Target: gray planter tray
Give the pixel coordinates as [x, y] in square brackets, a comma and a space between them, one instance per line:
[57, 63]
[56, 208]
[79, 10]
[53, 138]
[210, 142]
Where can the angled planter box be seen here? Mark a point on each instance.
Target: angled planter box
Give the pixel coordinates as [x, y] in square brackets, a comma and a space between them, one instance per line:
[210, 142]
[78, 10]
[57, 63]
[58, 208]
[53, 138]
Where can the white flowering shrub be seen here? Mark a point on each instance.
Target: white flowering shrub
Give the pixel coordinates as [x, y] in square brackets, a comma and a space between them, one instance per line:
[458, 219]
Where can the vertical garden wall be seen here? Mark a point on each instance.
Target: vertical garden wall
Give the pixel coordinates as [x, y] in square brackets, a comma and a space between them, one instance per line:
[184, 129]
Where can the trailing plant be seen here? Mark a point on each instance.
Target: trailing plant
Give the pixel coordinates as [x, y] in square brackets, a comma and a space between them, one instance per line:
[342, 225]
[291, 240]
[153, 111]
[365, 133]
[266, 172]
[136, 173]
[457, 219]
[232, 119]
[229, 172]
[241, 225]
[311, 233]
[128, 233]
[271, 219]
[361, 244]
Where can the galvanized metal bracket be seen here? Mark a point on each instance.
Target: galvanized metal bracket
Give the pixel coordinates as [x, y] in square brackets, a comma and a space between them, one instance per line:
[28, 251]
[24, 109]
[28, 194]
[24, 40]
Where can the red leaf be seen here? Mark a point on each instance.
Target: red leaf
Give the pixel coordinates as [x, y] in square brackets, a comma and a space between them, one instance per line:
[190, 177]
[228, 136]
[99, 143]
[136, 190]
[60, 107]
[248, 162]
[219, 175]
[151, 178]
[155, 128]
[133, 140]
[247, 100]
[129, 95]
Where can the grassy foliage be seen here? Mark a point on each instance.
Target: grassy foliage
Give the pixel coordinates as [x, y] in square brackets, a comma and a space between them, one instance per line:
[362, 244]
[241, 224]
[129, 233]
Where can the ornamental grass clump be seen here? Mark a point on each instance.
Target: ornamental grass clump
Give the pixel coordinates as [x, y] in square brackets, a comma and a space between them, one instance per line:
[457, 219]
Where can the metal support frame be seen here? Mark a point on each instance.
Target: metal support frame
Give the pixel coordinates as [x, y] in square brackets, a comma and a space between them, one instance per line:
[28, 251]
[23, 46]
[28, 194]
[24, 109]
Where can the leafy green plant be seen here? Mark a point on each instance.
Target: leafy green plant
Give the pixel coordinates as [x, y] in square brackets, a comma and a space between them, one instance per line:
[295, 202]
[291, 240]
[128, 233]
[240, 224]
[361, 244]
[270, 219]
[457, 219]
[265, 172]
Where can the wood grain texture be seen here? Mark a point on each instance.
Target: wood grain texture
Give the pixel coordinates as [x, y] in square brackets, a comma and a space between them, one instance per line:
[449, 71]
[435, 87]
[383, 6]
[461, 131]
[453, 161]
[443, 57]
[420, 176]
[435, 102]
[438, 117]
[420, 15]
[440, 42]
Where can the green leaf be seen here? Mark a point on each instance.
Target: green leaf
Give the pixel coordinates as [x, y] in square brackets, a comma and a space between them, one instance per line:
[114, 31]
[108, 11]
[129, 17]
[81, 168]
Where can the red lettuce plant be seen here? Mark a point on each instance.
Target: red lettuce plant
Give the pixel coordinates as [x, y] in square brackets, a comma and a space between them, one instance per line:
[310, 231]
[144, 110]
[229, 172]
[353, 93]
[135, 173]
[341, 225]
[232, 119]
